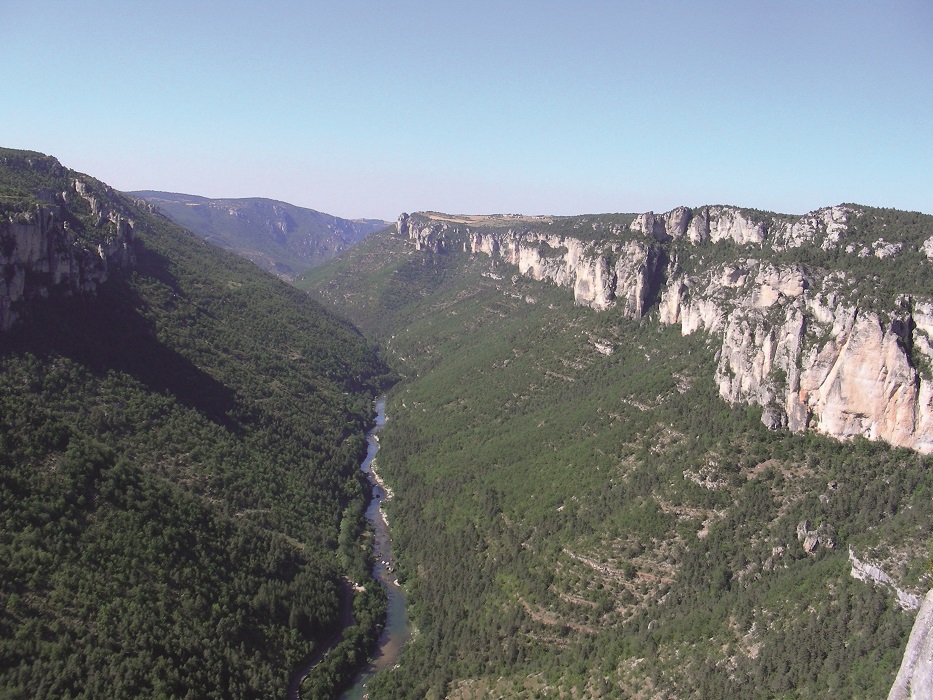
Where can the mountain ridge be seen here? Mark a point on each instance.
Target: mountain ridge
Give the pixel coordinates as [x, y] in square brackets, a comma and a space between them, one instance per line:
[797, 319]
[280, 237]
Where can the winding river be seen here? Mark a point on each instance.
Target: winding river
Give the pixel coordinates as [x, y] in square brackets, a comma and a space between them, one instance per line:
[397, 630]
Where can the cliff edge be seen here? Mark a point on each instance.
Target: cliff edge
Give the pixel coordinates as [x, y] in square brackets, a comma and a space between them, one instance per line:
[63, 233]
[824, 320]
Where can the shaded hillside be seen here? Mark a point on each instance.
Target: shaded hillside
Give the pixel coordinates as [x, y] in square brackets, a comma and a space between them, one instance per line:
[279, 237]
[180, 444]
[579, 512]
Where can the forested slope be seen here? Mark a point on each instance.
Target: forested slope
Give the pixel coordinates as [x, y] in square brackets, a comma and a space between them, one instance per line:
[178, 447]
[282, 238]
[578, 512]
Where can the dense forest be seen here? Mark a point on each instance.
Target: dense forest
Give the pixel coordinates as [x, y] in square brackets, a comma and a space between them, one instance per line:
[579, 514]
[178, 459]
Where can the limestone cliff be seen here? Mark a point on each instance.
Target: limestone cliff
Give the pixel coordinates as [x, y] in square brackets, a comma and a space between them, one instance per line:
[915, 678]
[802, 331]
[619, 272]
[57, 242]
[800, 346]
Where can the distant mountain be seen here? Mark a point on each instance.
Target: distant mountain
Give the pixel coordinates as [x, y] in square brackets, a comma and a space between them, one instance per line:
[285, 239]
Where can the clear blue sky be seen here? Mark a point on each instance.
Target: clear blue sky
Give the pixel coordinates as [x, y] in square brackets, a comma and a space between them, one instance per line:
[372, 108]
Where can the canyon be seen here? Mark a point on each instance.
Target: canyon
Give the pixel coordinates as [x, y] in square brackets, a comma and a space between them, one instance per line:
[802, 341]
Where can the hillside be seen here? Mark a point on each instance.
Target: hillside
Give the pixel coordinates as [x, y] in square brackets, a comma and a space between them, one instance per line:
[282, 238]
[602, 485]
[180, 439]
[826, 319]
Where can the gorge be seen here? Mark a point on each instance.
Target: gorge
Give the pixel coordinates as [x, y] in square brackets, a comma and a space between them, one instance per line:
[824, 349]
[615, 447]
[180, 433]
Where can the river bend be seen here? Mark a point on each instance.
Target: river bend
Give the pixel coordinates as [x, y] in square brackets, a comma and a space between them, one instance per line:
[397, 631]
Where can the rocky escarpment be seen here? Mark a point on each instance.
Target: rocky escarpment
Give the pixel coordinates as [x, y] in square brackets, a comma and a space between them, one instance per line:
[806, 342]
[799, 345]
[65, 242]
[621, 271]
[801, 330]
[915, 678]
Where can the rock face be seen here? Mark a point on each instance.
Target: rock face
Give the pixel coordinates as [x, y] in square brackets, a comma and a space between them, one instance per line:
[621, 274]
[915, 678]
[797, 340]
[706, 224]
[801, 348]
[41, 254]
[824, 535]
[866, 571]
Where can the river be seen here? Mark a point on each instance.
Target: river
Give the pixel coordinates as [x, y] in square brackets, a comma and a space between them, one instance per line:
[397, 631]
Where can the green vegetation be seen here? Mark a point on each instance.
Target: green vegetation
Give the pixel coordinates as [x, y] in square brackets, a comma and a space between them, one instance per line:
[280, 237]
[576, 524]
[24, 173]
[577, 512]
[29, 180]
[176, 453]
[876, 282]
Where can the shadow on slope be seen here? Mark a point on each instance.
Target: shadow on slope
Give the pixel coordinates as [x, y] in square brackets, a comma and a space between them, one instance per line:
[109, 332]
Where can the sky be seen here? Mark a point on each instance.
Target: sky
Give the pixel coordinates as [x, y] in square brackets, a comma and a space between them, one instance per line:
[368, 109]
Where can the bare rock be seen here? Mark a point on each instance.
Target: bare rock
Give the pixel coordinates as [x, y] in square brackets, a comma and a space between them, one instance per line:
[872, 573]
[811, 542]
[824, 535]
[914, 680]
[39, 254]
[729, 223]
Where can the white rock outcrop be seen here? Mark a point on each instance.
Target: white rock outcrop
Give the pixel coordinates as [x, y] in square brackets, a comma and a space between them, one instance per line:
[794, 346]
[823, 227]
[715, 224]
[872, 573]
[793, 341]
[39, 255]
